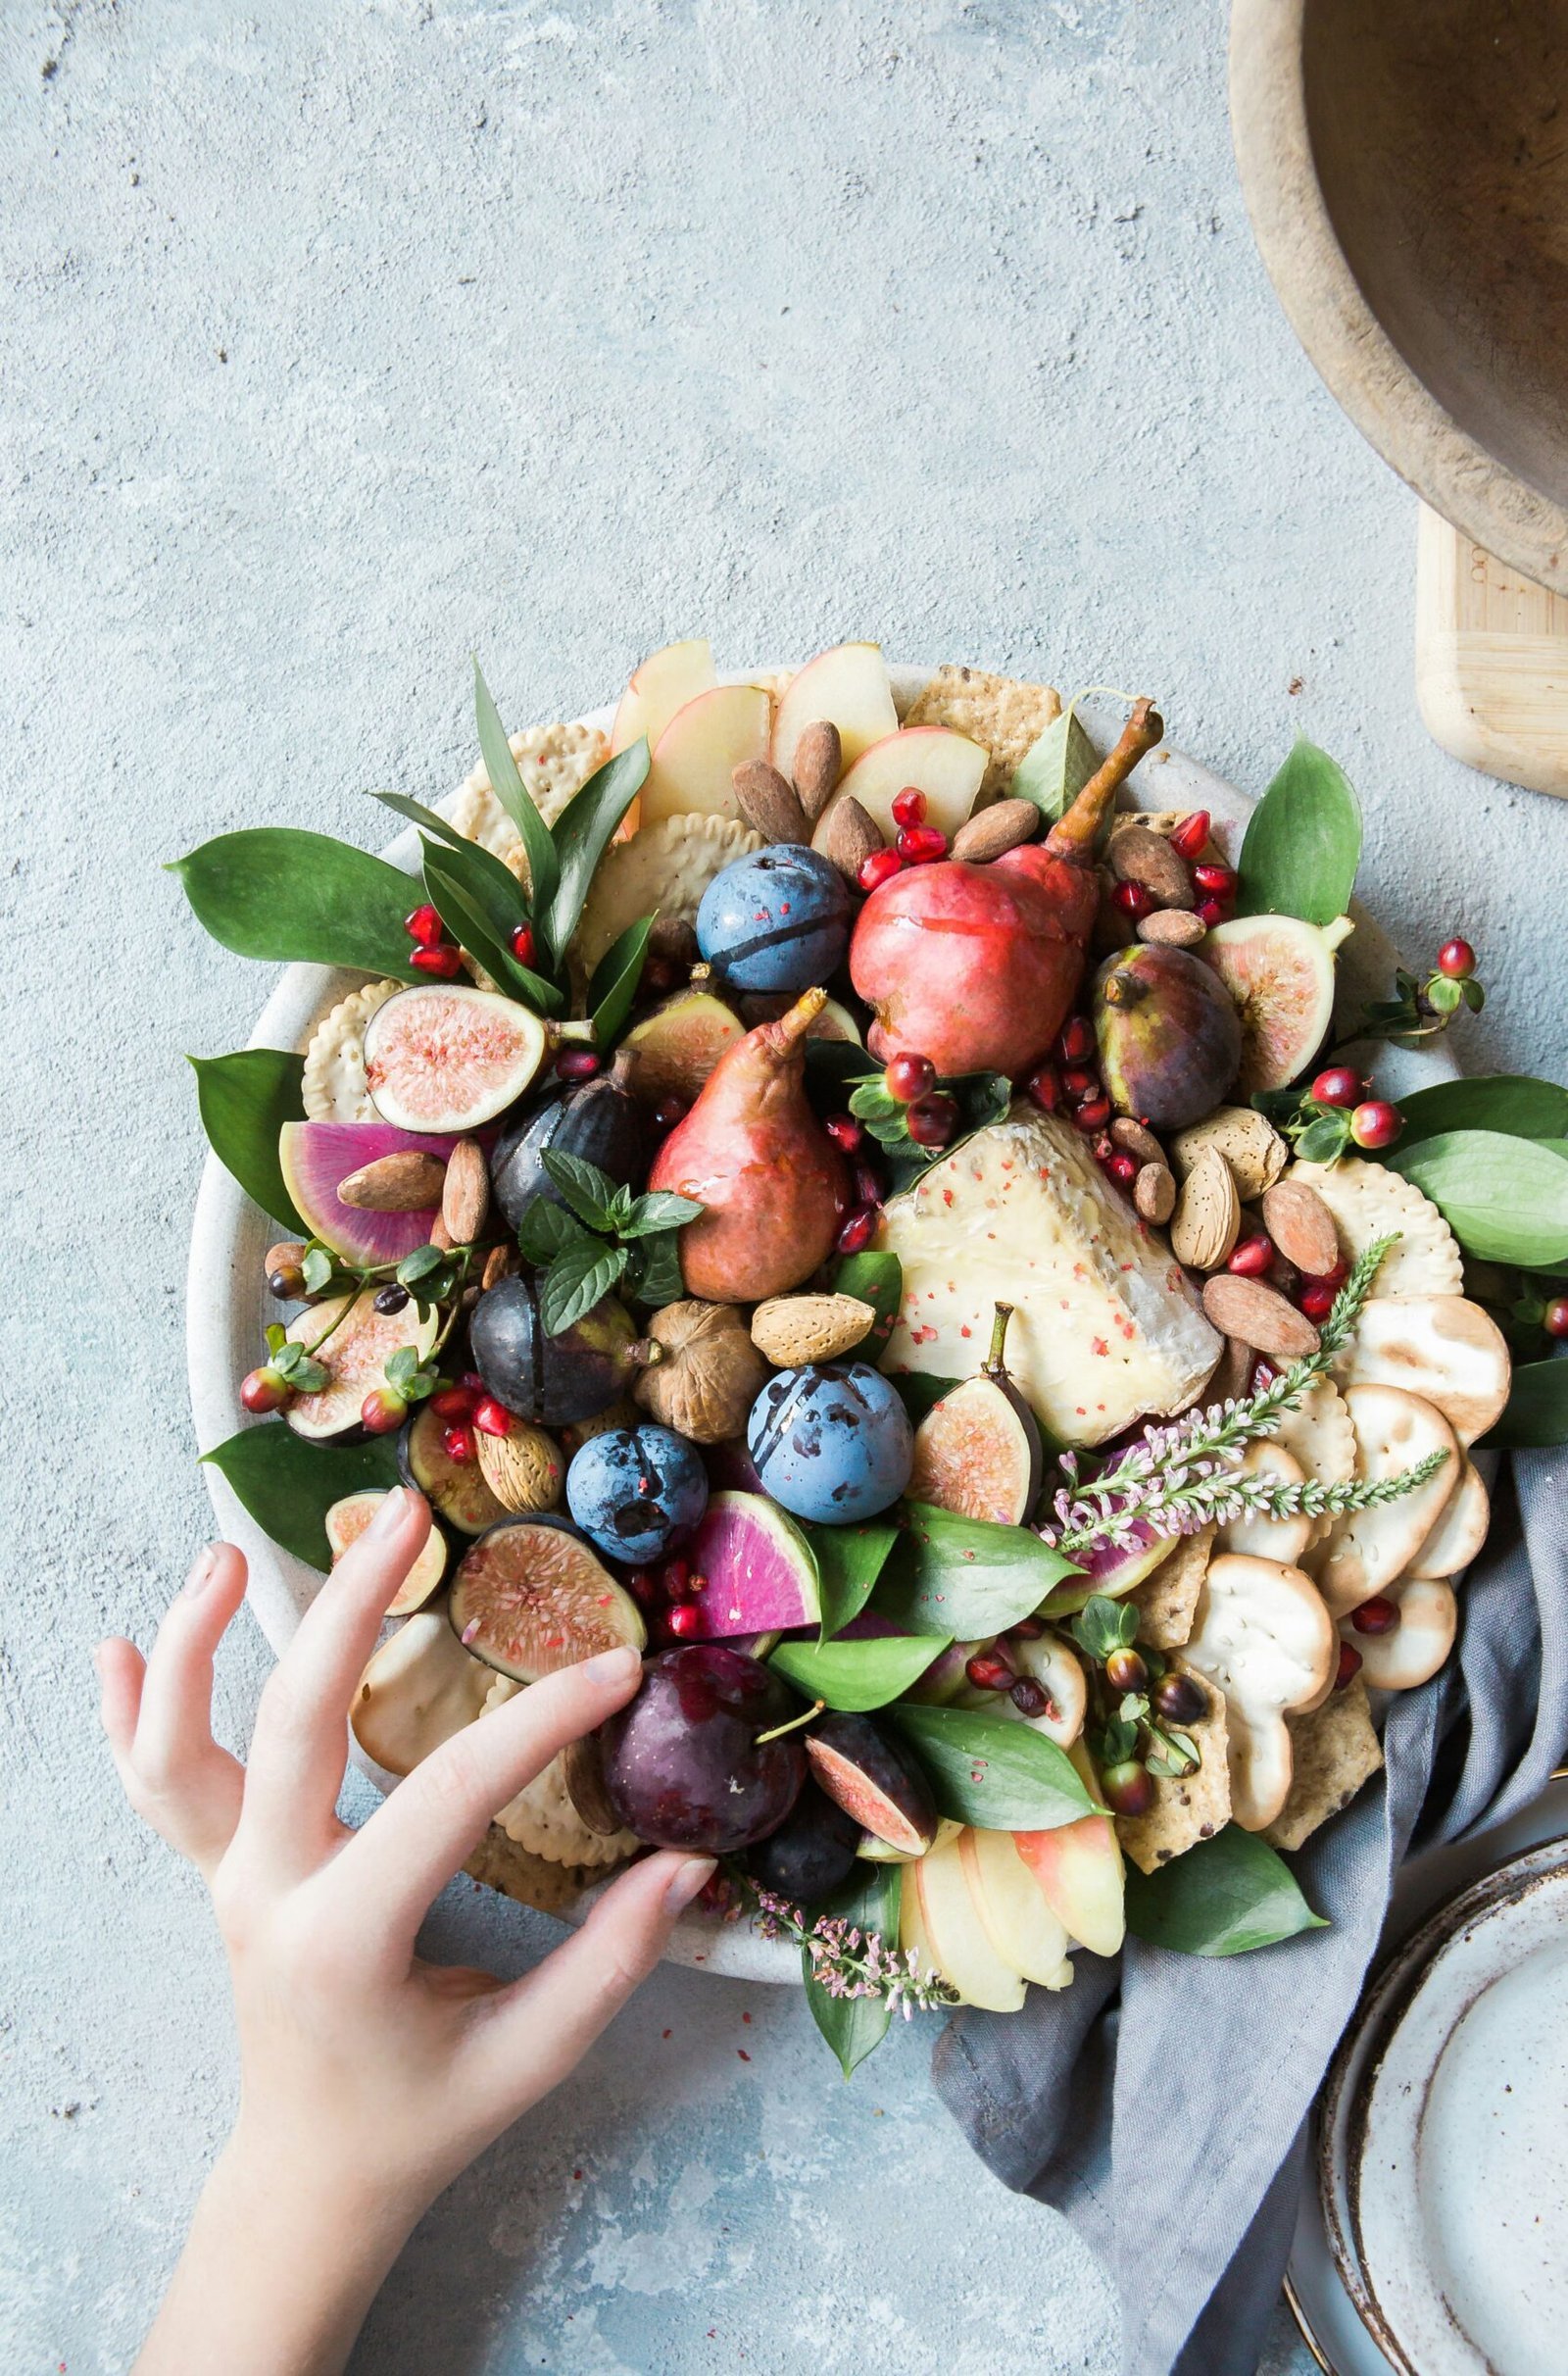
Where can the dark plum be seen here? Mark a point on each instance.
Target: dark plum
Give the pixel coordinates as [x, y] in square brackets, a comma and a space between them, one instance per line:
[551, 1380]
[811, 1851]
[682, 1763]
[601, 1124]
[862, 1772]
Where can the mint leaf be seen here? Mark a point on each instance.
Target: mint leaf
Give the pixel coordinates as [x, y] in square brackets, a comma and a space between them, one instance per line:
[579, 1277]
[590, 1192]
[545, 1230]
[660, 1209]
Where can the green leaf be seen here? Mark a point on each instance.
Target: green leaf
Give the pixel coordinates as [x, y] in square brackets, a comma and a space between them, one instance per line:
[546, 1228]
[1224, 1897]
[1508, 1101]
[877, 1279]
[589, 1192]
[1055, 768]
[1536, 1415]
[582, 834]
[854, 2026]
[1505, 1199]
[318, 1268]
[502, 896]
[1102, 1626]
[516, 799]
[1325, 1139]
[615, 978]
[657, 1268]
[919, 1390]
[832, 1070]
[418, 1265]
[468, 924]
[849, 1560]
[966, 1577]
[289, 1484]
[856, 1675]
[579, 1277]
[245, 1098]
[658, 1211]
[301, 899]
[993, 1772]
[1302, 843]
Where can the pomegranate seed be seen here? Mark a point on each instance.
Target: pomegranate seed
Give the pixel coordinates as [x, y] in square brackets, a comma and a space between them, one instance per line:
[575, 1064]
[1377, 1124]
[640, 1584]
[264, 1390]
[1218, 881]
[1191, 836]
[868, 1188]
[919, 845]
[454, 1402]
[1043, 1088]
[988, 1670]
[677, 1578]
[1093, 1114]
[845, 1131]
[909, 807]
[1080, 1081]
[1121, 1168]
[458, 1444]
[857, 1232]
[683, 1620]
[668, 1111]
[491, 1417]
[1028, 1629]
[880, 867]
[522, 944]
[1457, 960]
[472, 1381]
[910, 1076]
[1338, 1086]
[445, 963]
[1350, 1666]
[381, 1410]
[1337, 1276]
[424, 925]
[1554, 1316]
[1134, 899]
[1076, 1043]
[932, 1120]
[1212, 912]
[1376, 1617]
[1251, 1257]
[1029, 1698]
[1316, 1300]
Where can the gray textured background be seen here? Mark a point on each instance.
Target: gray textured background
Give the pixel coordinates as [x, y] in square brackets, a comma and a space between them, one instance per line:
[341, 341]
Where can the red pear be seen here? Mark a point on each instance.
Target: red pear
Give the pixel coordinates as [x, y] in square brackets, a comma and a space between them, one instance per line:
[772, 1185]
[977, 966]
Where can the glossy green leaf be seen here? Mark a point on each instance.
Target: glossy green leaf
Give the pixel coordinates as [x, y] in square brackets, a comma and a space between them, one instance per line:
[877, 1279]
[1508, 1101]
[589, 1191]
[615, 978]
[854, 2026]
[301, 899]
[502, 896]
[245, 1098]
[964, 1577]
[1302, 844]
[993, 1772]
[518, 802]
[1505, 1199]
[657, 1271]
[544, 1230]
[1224, 1897]
[462, 912]
[849, 1562]
[1537, 1413]
[580, 1276]
[583, 830]
[1055, 768]
[288, 1484]
[855, 1675]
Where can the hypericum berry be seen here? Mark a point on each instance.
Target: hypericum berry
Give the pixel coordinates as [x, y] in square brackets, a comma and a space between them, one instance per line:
[856, 1233]
[1076, 1042]
[1376, 1617]
[492, 1418]
[1043, 1088]
[932, 1120]
[1211, 912]
[1457, 960]
[909, 807]
[1338, 1086]
[522, 945]
[988, 1670]
[1125, 1670]
[264, 1390]
[1316, 1299]
[391, 1298]
[1191, 836]
[575, 1064]
[1029, 1698]
[382, 1410]
[1178, 1699]
[1080, 1081]
[868, 1189]
[668, 1111]
[1121, 1168]
[286, 1282]
[444, 962]
[1218, 881]
[1134, 899]
[1554, 1316]
[682, 1622]
[879, 868]
[1093, 1114]
[1251, 1257]
[644, 1591]
[424, 925]
[910, 1076]
[921, 845]
[453, 1401]
[458, 1444]
[1376, 1123]
[845, 1131]
[1127, 1790]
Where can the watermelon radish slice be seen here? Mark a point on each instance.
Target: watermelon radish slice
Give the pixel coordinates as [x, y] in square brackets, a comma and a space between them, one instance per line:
[759, 1574]
[530, 1598]
[316, 1155]
[449, 1058]
[355, 1356]
[348, 1519]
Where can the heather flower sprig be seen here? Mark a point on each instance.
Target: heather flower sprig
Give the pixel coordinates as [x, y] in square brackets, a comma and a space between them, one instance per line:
[845, 1960]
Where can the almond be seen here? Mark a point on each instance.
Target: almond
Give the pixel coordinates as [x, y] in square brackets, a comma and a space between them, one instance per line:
[411, 1182]
[789, 1329]
[1137, 856]
[1134, 1138]
[1208, 1220]
[1171, 928]
[769, 803]
[499, 1263]
[1155, 1193]
[1301, 1227]
[523, 1470]
[441, 1236]
[466, 1197]
[1003, 826]
[819, 763]
[847, 836]
[1257, 1315]
[1250, 1144]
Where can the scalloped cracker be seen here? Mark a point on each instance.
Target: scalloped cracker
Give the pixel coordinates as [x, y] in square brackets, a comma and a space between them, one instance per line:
[1335, 1752]
[1368, 1200]
[334, 1087]
[501, 1865]
[554, 762]
[667, 867]
[542, 1820]
[1004, 716]
[1167, 1597]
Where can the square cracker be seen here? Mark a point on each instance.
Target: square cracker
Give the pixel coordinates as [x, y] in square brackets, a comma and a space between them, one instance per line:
[1336, 1751]
[1191, 1807]
[1166, 1600]
[998, 713]
[501, 1864]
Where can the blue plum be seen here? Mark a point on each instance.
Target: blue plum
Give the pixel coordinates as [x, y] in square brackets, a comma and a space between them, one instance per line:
[778, 920]
[831, 1441]
[633, 1489]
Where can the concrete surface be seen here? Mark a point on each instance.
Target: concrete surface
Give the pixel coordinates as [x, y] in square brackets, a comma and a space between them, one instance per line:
[341, 341]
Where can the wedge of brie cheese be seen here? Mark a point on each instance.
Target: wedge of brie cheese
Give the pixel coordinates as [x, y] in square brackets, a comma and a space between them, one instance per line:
[1107, 1329]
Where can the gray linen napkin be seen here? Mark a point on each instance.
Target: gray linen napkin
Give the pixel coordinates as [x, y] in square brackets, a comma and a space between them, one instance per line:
[1160, 2101]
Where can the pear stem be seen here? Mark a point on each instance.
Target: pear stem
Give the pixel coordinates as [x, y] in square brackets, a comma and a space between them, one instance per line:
[791, 1028]
[1072, 837]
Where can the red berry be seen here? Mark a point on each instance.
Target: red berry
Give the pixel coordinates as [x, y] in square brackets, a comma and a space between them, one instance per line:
[458, 1444]
[1376, 1617]
[1218, 881]
[857, 1232]
[1043, 1088]
[1029, 1698]
[1251, 1257]
[424, 925]
[1457, 960]
[908, 1077]
[845, 1131]
[1377, 1124]
[1127, 1790]
[868, 1188]
[880, 867]
[445, 963]
[1350, 1666]
[1076, 1043]
[919, 845]
[382, 1410]
[1316, 1299]
[1121, 1168]
[1554, 1316]
[1125, 1670]
[988, 1670]
[1338, 1086]
[683, 1621]
[453, 1402]
[1080, 1081]
[1093, 1114]
[491, 1417]
[668, 1111]
[909, 807]
[640, 1584]
[1134, 899]
[1191, 836]
[677, 1577]
[1212, 912]
[264, 1390]
[932, 1120]
[575, 1064]
[522, 944]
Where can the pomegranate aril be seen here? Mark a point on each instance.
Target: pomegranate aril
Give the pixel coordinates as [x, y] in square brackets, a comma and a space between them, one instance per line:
[907, 1077]
[445, 963]
[919, 845]
[1029, 1698]
[1338, 1085]
[909, 807]
[879, 868]
[683, 1621]
[492, 1418]
[1218, 881]
[1134, 899]
[424, 925]
[458, 1444]
[1316, 1299]
[1121, 1168]
[1212, 912]
[1251, 1257]
[988, 1670]
[522, 944]
[1093, 1114]
[1080, 1081]
[1457, 960]
[1350, 1666]
[857, 1232]
[677, 1577]
[1076, 1043]
[644, 1591]
[1028, 1629]
[471, 1382]
[1043, 1088]
[1376, 1617]
[845, 1131]
[575, 1064]
[453, 1402]
[1191, 836]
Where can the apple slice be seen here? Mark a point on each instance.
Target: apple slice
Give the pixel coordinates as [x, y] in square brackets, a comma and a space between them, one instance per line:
[699, 751]
[1019, 1924]
[1079, 1869]
[959, 1942]
[665, 683]
[948, 767]
[913, 1932]
[849, 685]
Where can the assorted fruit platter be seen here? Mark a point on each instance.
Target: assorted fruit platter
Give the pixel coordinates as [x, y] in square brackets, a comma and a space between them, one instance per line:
[819, 1187]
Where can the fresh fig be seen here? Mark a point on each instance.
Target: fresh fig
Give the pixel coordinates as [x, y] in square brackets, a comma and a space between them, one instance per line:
[698, 1760]
[455, 1490]
[530, 1598]
[862, 1772]
[756, 1569]
[1280, 976]
[678, 1045]
[599, 1123]
[348, 1519]
[978, 1451]
[316, 1157]
[812, 1853]
[446, 1057]
[353, 1341]
[1171, 1037]
[551, 1380]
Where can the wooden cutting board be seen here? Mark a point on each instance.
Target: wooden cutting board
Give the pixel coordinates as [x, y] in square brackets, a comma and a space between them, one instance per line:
[1490, 661]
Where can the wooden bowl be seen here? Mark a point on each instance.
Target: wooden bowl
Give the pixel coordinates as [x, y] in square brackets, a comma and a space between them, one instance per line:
[1405, 165]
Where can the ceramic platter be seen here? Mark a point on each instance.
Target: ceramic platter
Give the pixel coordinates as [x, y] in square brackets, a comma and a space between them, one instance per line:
[227, 1306]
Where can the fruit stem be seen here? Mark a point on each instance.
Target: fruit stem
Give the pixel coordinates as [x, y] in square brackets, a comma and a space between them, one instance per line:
[794, 1725]
[645, 1353]
[784, 1035]
[1123, 990]
[1072, 837]
[994, 1365]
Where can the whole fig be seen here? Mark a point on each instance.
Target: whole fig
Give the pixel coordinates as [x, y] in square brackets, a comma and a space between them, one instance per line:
[1171, 1037]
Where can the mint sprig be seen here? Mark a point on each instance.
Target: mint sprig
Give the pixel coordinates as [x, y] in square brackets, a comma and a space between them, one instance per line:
[599, 1237]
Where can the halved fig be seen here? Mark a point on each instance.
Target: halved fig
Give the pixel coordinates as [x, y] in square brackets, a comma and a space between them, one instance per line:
[873, 1851]
[455, 1490]
[419, 1689]
[348, 1519]
[978, 1451]
[551, 1380]
[1279, 971]
[354, 1353]
[448, 1058]
[862, 1772]
[316, 1157]
[530, 1598]
[678, 1045]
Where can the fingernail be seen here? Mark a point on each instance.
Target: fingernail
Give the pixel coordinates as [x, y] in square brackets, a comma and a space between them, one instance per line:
[390, 1516]
[202, 1569]
[687, 1880]
[617, 1666]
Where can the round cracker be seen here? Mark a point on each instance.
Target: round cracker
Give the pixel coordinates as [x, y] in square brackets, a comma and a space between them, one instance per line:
[1461, 1530]
[334, 1088]
[1368, 1549]
[1259, 1538]
[1368, 1200]
[1318, 1433]
[1442, 1346]
[554, 762]
[1263, 1637]
[1429, 1619]
[667, 867]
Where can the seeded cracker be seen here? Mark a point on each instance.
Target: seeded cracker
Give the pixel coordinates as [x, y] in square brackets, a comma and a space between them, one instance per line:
[999, 714]
[667, 867]
[554, 762]
[1335, 1751]
[1190, 1808]
[1166, 1600]
[334, 1087]
[543, 1820]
